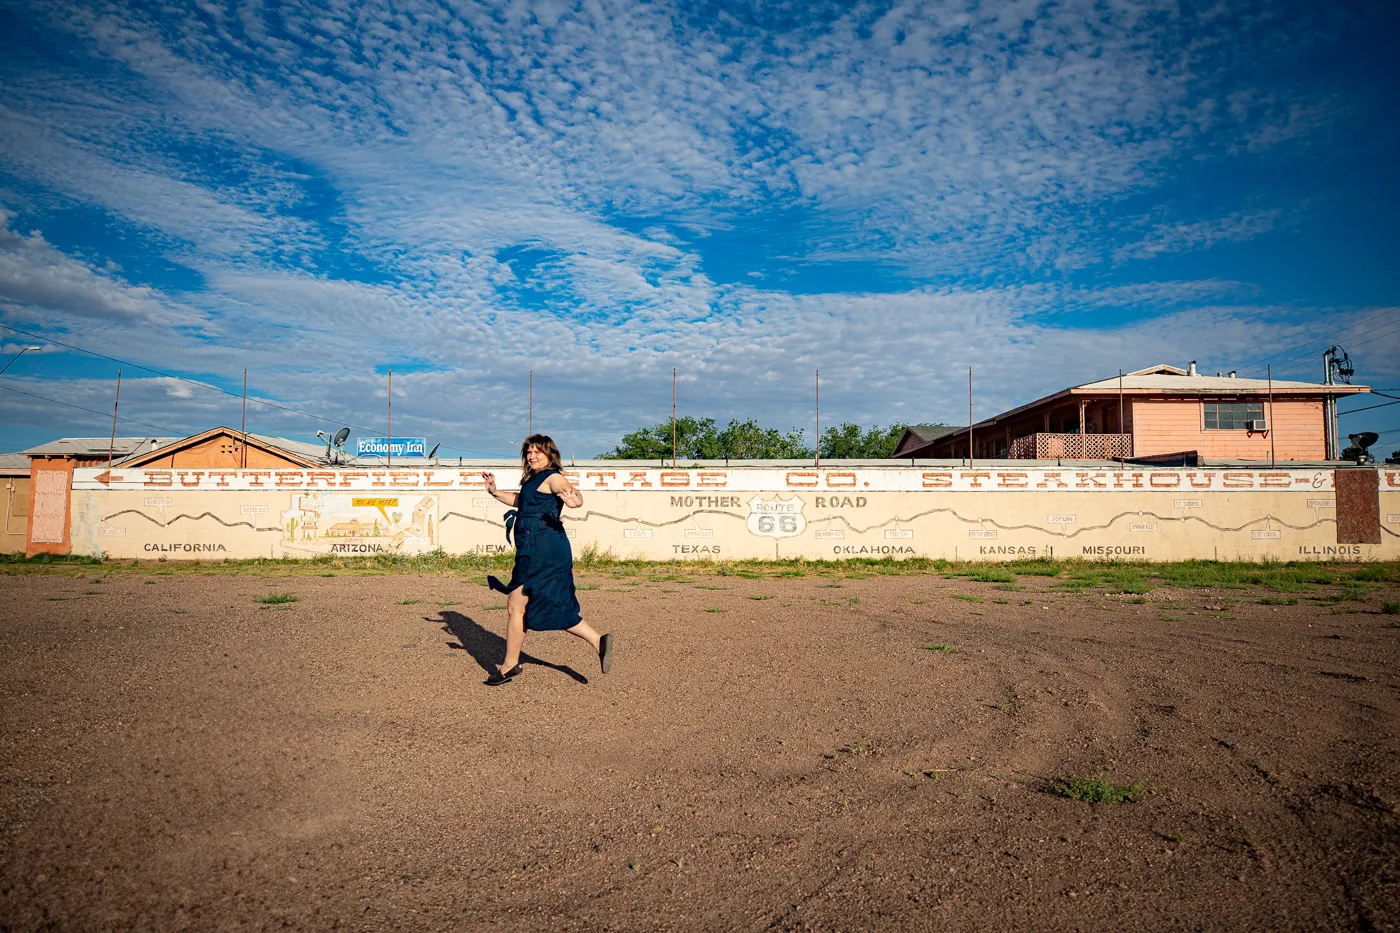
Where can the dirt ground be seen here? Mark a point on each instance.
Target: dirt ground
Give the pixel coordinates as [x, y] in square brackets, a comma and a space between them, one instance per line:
[775, 753]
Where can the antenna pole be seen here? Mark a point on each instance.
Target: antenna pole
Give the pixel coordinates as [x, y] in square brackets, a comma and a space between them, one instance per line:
[112, 445]
[243, 427]
[389, 441]
[530, 425]
[673, 418]
[969, 418]
[819, 417]
[1122, 429]
[1270, 371]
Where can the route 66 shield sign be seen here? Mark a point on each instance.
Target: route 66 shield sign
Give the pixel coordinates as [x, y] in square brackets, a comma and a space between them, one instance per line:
[776, 518]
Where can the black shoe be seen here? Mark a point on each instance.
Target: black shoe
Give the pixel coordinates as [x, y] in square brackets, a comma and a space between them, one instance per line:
[499, 677]
[605, 652]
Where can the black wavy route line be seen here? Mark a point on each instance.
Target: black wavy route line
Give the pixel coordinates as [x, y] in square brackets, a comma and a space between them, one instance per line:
[968, 521]
[1079, 531]
[587, 515]
[193, 518]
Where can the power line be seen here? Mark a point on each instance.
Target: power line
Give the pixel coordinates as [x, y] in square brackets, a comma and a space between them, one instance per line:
[1352, 340]
[205, 385]
[144, 424]
[1250, 367]
[1357, 411]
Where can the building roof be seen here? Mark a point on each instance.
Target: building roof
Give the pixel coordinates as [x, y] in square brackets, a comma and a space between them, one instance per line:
[918, 436]
[14, 464]
[1186, 384]
[305, 454]
[98, 446]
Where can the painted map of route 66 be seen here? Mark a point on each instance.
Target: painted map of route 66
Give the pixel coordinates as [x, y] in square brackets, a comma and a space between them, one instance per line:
[776, 518]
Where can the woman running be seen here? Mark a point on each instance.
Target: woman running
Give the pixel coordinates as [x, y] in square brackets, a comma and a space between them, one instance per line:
[540, 594]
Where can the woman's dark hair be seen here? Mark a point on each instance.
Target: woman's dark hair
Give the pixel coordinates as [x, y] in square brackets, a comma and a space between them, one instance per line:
[545, 443]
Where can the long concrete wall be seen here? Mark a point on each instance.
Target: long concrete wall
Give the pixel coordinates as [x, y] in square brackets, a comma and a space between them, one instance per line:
[836, 512]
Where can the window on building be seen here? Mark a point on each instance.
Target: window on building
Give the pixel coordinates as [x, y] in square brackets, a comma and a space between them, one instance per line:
[1232, 416]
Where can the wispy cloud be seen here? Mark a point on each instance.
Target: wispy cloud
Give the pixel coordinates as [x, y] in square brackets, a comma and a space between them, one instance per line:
[602, 191]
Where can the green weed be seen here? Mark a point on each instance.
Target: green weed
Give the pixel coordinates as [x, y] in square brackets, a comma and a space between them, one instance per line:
[276, 599]
[1279, 601]
[1391, 609]
[407, 602]
[966, 597]
[762, 597]
[1097, 790]
[940, 646]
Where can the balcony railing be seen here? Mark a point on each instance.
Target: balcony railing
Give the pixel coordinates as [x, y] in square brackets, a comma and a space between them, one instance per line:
[1071, 447]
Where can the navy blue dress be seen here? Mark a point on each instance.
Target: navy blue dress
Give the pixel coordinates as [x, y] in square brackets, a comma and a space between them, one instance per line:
[544, 561]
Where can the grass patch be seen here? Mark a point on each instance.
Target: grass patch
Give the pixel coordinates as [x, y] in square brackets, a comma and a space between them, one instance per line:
[1391, 609]
[1001, 602]
[407, 602]
[965, 597]
[940, 646]
[985, 574]
[493, 607]
[1167, 617]
[762, 597]
[714, 609]
[450, 602]
[1354, 592]
[1097, 790]
[277, 599]
[1279, 601]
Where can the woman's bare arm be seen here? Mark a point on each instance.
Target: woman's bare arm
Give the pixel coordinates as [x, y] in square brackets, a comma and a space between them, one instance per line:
[509, 498]
[565, 490]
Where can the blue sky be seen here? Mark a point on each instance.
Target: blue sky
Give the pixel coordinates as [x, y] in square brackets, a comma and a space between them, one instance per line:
[600, 192]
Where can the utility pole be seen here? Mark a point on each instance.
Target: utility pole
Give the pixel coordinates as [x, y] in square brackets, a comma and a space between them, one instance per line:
[673, 418]
[389, 441]
[243, 427]
[970, 453]
[819, 417]
[112, 446]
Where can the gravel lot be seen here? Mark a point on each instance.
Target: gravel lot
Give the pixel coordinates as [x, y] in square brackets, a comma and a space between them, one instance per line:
[815, 753]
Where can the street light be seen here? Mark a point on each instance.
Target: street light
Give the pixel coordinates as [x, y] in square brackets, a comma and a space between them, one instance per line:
[17, 356]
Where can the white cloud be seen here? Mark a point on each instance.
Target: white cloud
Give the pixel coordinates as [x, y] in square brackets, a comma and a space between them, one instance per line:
[37, 277]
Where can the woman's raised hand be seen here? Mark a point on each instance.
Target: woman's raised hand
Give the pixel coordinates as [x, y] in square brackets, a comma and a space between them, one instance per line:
[490, 482]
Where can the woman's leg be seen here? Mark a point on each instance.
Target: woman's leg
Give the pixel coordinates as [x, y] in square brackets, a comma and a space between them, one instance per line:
[515, 627]
[603, 644]
[586, 632]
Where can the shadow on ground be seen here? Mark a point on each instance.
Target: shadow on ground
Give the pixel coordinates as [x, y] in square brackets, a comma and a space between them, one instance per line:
[486, 647]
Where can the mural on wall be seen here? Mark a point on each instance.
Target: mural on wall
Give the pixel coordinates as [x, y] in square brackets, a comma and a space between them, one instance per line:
[339, 523]
[1136, 513]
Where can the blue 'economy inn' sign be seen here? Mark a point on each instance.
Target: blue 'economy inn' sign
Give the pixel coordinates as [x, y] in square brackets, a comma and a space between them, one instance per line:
[380, 447]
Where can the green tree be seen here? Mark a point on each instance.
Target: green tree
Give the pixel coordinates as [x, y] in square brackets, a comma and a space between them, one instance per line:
[702, 439]
[848, 441]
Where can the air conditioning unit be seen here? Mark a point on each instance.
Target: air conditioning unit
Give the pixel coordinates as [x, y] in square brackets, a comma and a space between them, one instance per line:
[1259, 424]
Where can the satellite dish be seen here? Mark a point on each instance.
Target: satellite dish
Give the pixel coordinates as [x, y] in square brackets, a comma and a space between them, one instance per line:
[1364, 439]
[340, 437]
[433, 453]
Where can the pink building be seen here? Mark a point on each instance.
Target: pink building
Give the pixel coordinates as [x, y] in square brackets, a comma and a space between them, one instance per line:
[1163, 412]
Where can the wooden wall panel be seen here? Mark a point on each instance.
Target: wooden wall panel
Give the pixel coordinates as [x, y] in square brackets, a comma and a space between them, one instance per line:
[1163, 426]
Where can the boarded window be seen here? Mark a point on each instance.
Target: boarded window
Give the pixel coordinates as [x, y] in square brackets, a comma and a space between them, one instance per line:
[1358, 507]
[1232, 416]
[50, 506]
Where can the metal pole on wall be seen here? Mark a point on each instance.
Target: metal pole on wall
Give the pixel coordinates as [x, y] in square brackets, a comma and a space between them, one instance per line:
[112, 445]
[243, 426]
[819, 417]
[969, 418]
[389, 441]
[1270, 371]
[1122, 429]
[673, 418]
